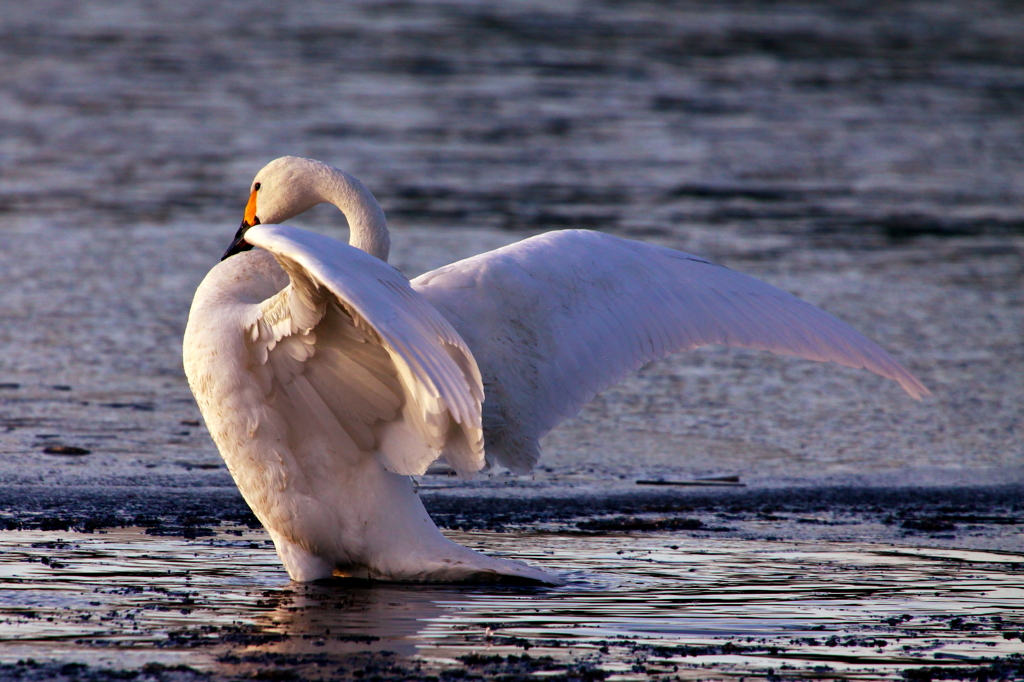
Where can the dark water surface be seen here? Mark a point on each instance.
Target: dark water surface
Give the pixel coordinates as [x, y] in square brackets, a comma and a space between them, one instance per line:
[838, 120]
[634, 606]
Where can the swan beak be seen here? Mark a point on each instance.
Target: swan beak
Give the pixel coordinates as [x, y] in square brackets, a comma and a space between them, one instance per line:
[238, 244]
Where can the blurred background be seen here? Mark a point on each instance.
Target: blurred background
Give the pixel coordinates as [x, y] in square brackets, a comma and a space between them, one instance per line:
[868, 157]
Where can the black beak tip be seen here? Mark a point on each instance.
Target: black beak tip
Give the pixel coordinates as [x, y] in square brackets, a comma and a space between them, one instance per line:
[238, 244]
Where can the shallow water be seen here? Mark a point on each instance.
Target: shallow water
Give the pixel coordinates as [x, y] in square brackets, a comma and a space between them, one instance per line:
[634, 604]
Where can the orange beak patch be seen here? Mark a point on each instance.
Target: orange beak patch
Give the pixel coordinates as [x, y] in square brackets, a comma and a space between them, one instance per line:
[250, 210]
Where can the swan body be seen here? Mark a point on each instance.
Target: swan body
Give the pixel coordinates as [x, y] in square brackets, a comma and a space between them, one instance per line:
[326, 378]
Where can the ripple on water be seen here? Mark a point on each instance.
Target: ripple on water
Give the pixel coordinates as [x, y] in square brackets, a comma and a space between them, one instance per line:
[637, 604]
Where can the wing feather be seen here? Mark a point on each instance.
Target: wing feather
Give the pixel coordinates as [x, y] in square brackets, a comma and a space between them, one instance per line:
[349, 344]
[554, 319]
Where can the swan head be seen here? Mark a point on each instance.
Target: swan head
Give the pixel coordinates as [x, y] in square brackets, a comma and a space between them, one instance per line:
[282, 189]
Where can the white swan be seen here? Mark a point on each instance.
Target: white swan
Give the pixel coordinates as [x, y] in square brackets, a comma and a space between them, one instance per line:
[326, 378]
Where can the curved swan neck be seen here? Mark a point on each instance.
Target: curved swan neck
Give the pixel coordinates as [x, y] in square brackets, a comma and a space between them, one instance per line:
[368, 229]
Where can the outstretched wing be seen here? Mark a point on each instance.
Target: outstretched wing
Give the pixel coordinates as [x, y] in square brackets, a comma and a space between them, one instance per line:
[555, 319]
[350, 353]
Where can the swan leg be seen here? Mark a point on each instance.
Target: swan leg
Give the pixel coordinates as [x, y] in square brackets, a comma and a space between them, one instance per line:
[302, 566]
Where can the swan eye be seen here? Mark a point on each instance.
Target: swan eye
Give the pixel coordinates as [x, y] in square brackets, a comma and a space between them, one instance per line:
[256, 187]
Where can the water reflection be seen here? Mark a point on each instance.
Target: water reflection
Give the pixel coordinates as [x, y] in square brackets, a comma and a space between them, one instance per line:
[224, 603]
[346, 616]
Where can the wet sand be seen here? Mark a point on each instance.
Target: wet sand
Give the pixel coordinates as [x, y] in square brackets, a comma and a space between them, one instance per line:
[867, 159]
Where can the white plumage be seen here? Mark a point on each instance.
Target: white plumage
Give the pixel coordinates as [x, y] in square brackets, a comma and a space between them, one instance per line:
[327, 378]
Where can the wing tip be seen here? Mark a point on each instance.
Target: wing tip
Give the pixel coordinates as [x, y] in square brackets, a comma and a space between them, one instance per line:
[913, 387]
